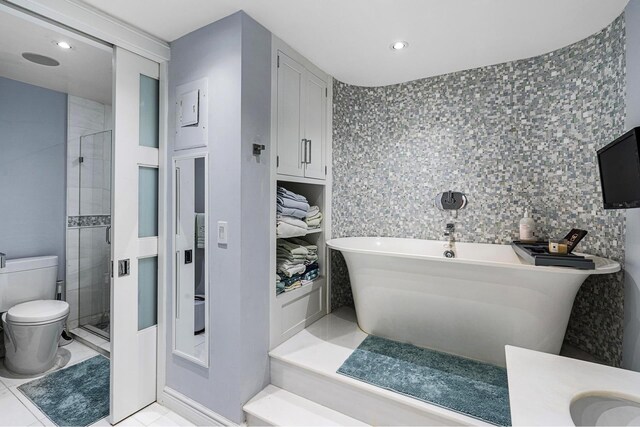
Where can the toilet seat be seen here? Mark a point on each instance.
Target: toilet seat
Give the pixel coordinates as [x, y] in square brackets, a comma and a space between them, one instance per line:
[37, 312]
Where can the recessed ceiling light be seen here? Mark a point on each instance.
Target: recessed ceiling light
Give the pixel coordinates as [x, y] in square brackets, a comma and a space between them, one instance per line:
[64, 45]
[399, 45]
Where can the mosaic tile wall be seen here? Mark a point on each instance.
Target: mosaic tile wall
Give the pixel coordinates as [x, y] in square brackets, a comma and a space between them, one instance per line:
[513, 135]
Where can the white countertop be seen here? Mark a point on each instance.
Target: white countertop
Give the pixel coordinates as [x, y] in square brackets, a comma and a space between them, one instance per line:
[542, 386]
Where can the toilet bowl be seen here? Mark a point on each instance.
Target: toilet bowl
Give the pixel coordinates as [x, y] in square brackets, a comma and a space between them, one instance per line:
[31, 333]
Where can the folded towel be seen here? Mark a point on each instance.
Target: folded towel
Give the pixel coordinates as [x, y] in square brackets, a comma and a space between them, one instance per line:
[293, 204]
[296, 213]
[200, 230]
[292, 221]
[292, 247]
[313, 223]
[291, 260]
[294, 285]
[291, 270]
[287, 230]
[314, 216]
[311, 267]
[310, 247]
[313, 210]
[291, 195]
[313, 274]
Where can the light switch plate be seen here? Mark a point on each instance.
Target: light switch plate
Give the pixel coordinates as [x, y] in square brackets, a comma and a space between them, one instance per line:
[223, 233]
[189, 108]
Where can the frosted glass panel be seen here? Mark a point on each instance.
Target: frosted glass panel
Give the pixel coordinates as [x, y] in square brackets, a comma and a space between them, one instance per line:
[148, 202]
[147, 292]
[149, 111]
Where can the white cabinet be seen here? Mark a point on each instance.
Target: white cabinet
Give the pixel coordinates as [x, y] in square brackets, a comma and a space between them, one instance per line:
[301, 120]
[301, 105]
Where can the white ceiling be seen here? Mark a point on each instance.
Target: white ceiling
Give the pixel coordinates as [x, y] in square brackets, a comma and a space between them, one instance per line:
[350, 39]
[84, 70]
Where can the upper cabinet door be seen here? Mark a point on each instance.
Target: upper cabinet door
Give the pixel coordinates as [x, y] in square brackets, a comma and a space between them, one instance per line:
[315, 125]
[290, 115]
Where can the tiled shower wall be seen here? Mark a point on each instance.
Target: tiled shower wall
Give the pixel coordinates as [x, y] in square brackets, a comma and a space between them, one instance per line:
[86, 117]
[513, 135]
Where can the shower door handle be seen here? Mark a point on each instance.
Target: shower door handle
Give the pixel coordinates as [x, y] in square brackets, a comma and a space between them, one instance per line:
[108, 235]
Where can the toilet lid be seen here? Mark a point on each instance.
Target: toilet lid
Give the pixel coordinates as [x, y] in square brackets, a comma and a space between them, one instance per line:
[38, 311]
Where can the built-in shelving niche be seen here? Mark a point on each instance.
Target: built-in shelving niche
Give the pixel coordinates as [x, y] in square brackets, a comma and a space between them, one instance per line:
[298, 308]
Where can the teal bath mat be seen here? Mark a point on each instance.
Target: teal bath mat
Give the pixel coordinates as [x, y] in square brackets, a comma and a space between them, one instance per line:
[472, 388]
[75, 396]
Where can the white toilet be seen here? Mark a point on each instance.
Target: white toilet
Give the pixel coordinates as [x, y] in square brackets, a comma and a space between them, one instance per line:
[33, 319]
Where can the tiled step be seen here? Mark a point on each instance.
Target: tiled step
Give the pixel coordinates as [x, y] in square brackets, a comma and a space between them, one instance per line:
[306, 366]
[274, 406]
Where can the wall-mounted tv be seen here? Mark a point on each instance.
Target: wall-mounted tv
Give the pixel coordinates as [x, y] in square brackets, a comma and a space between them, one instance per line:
[619, 164]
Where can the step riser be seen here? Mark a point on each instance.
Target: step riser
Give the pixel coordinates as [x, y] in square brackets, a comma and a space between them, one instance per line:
[349, 400]
[253, 421]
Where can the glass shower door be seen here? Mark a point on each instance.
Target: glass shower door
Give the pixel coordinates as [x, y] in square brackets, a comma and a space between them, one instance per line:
[95, 250]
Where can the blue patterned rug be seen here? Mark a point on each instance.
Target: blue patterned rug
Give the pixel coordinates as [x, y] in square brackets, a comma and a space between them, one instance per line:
[472, 388]
[75, 396]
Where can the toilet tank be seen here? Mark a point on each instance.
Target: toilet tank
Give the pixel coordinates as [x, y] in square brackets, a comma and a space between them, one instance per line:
[28, 279]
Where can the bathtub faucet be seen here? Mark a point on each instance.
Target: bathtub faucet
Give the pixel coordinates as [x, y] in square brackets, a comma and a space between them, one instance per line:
[449, 247]
[448, 232]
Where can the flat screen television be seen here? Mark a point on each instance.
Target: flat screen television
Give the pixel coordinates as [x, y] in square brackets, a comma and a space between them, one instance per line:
[619, 164]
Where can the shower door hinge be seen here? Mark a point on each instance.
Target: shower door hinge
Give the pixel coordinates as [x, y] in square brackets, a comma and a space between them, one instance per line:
[80, 159]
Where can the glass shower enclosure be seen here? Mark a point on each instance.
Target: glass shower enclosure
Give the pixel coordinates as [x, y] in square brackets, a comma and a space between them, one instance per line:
[95, 245]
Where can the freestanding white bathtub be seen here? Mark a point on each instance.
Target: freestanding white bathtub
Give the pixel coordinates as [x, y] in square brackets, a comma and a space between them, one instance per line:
[472, 305]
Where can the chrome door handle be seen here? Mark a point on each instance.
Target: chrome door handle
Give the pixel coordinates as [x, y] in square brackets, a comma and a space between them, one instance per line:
[108, 235]
[304, 156]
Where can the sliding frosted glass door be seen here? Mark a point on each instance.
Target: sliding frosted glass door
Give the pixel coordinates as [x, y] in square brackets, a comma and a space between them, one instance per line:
[135, 235]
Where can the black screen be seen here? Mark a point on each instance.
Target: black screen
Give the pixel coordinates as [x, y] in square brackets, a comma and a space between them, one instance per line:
[620, 173]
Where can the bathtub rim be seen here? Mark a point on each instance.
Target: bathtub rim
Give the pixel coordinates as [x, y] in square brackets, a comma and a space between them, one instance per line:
[603, 265]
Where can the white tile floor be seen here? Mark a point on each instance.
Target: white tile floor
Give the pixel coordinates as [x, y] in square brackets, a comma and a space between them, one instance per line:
[17, 410]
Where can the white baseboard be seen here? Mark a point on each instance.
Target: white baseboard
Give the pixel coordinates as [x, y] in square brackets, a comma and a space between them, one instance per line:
[192, 410]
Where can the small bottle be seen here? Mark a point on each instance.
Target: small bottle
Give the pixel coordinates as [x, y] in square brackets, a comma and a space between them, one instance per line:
[527, 228]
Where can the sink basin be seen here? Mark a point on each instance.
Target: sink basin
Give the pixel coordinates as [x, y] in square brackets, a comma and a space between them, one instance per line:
[604, 410]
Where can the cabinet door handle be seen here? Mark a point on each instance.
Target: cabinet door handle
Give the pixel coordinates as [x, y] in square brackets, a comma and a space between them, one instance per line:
[304, 157]
[309, 141]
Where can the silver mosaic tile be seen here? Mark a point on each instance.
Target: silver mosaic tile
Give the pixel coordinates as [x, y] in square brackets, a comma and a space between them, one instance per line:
[88, 221]
[513, 135]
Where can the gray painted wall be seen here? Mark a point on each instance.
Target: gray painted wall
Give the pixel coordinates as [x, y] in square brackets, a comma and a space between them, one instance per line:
[513, 135]
[631, 345]
[255, 210]
[234, 54]
[33, 138]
